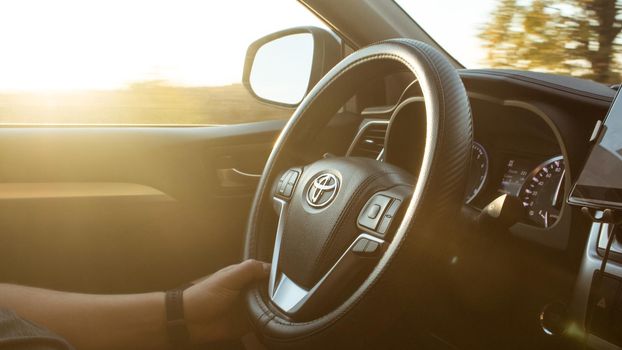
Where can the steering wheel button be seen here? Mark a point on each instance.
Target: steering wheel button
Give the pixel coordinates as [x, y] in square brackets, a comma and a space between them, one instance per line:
[292, 177]
[373, 211]
[282, 185]
[360, 245]
[289, 188]
[287, 182]
[384, 225]
[393, 209]
[388, 216]
[371, 247]
[371, 221]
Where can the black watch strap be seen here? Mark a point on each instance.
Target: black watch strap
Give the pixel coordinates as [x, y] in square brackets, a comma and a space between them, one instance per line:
[176, 326]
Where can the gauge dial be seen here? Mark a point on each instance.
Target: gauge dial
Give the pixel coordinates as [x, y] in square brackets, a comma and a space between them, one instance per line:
[542, 193]
[478, 171]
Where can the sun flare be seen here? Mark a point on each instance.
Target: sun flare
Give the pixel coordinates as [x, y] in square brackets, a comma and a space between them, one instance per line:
[109, 44]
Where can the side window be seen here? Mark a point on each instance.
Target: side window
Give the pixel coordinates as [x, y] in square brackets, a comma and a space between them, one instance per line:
[163, 62]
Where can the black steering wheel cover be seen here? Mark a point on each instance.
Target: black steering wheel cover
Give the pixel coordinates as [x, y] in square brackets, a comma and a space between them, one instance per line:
[437, 198]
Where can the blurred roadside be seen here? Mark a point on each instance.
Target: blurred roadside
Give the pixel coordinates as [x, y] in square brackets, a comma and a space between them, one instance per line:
[151, 102]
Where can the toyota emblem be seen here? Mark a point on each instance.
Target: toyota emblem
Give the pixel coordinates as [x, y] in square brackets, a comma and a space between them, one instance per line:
[323, 190]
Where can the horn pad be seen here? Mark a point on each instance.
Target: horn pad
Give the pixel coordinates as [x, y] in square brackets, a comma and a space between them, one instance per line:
[321, 221]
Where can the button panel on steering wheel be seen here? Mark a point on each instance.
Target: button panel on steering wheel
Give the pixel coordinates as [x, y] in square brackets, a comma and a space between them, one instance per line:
[379, 211]
[287, 183]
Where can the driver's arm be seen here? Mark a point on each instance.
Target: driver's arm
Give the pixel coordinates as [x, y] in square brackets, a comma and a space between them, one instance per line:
[137, 321]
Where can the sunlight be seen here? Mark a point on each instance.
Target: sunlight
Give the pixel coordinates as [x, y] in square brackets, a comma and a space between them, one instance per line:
[108, 44]
[454, 16]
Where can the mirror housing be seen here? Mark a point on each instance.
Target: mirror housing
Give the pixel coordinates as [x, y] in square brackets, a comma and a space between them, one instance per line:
[317, 49]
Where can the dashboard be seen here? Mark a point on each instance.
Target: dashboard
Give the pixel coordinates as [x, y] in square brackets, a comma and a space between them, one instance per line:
[531, 136]
[515, 152]
[532, 133]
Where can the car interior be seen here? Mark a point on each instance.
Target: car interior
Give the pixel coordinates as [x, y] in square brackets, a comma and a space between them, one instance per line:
[408, 202]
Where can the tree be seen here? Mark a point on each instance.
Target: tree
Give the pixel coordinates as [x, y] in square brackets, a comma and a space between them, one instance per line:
[602, 24]
[576, 37]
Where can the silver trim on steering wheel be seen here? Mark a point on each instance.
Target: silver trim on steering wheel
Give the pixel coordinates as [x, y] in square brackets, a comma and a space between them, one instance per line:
[284, 292]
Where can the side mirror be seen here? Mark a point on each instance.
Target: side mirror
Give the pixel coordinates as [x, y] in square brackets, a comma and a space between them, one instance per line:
[281, 68]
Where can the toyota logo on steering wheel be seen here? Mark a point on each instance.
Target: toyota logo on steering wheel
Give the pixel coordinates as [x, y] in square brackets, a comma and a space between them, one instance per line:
[323, 190]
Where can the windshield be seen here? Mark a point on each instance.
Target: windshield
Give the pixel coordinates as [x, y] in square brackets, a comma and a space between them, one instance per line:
[571, 37]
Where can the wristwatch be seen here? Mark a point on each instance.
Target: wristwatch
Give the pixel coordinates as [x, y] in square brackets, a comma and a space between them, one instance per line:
[176, 325]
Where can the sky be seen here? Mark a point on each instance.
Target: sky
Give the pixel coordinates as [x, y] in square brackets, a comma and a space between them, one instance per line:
[108, 44]
[454, 24]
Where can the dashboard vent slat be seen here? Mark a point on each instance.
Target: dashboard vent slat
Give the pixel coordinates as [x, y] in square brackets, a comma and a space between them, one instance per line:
[369, 142]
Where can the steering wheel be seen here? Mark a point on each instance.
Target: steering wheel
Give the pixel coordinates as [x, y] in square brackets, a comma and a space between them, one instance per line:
[349, 231]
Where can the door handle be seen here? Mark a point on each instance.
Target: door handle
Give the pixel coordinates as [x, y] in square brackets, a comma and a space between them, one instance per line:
[232, 178]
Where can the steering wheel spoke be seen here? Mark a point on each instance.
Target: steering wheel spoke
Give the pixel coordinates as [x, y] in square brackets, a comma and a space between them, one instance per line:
[295, 300]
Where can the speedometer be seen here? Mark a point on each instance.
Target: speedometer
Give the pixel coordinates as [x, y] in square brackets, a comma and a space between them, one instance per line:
[542, 193]
[477, 172]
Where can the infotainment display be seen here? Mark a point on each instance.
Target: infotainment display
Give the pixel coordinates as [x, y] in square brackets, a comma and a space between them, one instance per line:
[600, 182]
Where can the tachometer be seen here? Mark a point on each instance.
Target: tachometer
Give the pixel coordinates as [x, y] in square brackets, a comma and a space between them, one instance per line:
[542, 193]
[477, 172]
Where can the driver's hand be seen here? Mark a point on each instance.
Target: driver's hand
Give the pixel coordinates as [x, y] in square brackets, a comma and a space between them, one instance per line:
[213, 307]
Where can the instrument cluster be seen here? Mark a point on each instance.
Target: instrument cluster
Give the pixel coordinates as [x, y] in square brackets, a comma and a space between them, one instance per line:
[514, 152]
[537, 181]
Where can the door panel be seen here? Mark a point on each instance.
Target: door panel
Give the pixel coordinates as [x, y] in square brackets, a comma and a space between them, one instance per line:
[125, 209]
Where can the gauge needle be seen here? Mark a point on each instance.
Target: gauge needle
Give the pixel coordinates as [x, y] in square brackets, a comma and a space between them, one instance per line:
[545, 216]
[558, 189]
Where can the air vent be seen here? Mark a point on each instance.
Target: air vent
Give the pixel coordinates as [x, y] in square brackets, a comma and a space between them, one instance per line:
[369, 142]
